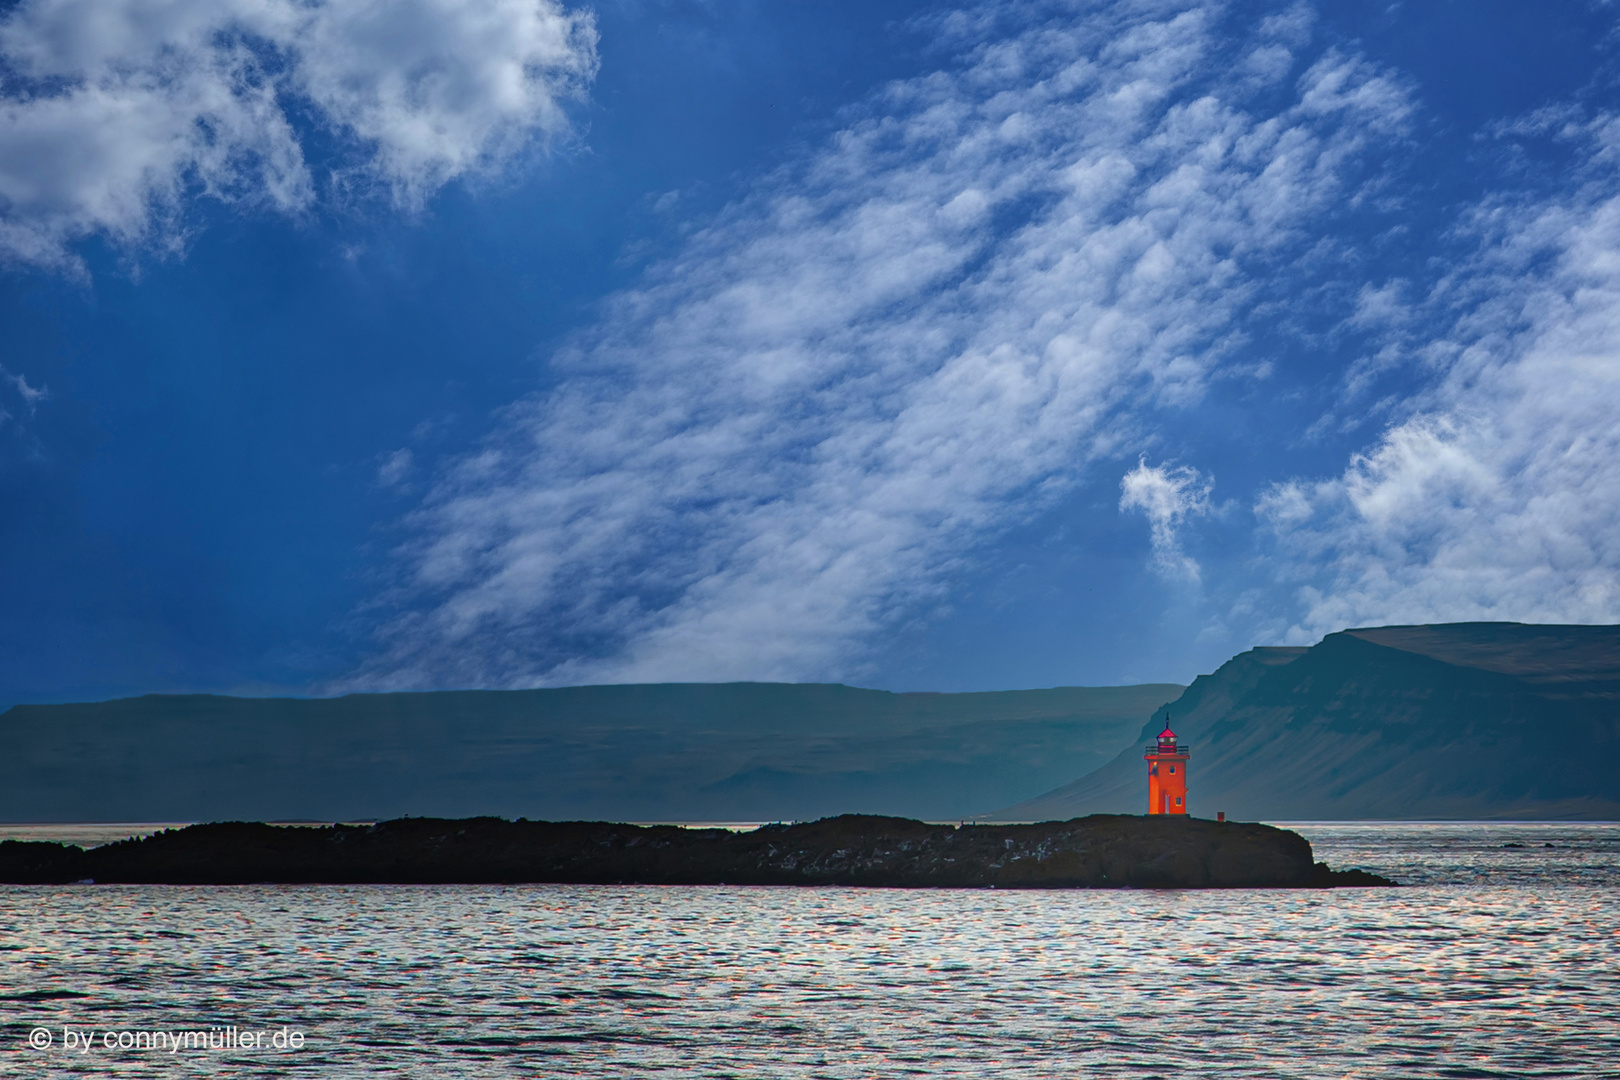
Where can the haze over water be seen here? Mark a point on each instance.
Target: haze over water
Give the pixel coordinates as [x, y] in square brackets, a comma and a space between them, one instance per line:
[1496, 961]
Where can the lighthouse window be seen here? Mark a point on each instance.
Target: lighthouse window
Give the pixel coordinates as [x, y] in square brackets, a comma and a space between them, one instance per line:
[1172, 770]
[1178, 800]
[1154, 769]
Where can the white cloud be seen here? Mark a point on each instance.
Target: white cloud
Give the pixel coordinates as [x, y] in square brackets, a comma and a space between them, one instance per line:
[396, 468]
[1292, 27]
[114, 111]
[1498, 496]
[1168, 496]
[19, 402]
[792, 434]
[31, 396]
[442, 88]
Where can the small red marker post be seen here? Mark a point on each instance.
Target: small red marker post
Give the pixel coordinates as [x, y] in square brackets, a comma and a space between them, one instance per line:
[1220, 815]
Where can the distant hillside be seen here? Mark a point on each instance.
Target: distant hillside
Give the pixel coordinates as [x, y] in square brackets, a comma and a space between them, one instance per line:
[1467, 720]
[739, 751]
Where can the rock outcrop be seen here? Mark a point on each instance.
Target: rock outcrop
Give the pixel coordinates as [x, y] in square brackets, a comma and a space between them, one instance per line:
[1103, 851]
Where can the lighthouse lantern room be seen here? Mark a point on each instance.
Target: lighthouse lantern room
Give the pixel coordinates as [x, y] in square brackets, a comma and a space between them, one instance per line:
[1167, 774]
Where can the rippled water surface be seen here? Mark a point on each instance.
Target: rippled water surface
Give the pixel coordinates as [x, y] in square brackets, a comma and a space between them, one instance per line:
[1501, 961]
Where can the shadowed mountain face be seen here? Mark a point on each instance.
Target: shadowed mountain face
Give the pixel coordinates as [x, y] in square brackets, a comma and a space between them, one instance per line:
[1469, 720]
[739, 751]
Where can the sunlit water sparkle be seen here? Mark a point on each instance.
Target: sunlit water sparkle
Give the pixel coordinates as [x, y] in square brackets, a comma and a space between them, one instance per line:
[1498, 961]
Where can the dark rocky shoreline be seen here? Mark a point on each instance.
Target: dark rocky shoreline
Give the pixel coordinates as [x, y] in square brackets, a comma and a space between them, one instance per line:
[1101, 851]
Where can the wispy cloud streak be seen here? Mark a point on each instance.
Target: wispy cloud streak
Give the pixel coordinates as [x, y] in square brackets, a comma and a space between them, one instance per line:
[791, 435]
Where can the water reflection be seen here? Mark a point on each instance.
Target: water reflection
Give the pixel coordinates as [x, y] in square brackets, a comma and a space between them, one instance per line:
[1517, 976]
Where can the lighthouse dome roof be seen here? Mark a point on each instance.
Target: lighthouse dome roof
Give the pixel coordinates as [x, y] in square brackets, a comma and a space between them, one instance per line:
[1167, 734]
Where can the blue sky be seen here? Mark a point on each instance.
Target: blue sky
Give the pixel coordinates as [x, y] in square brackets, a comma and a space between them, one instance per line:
[508, 343]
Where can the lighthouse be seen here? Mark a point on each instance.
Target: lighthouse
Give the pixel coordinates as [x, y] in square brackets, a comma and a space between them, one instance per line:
[1167, 774]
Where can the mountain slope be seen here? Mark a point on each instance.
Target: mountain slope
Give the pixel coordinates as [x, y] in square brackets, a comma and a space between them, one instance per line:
[1120, 787]
[738, 751]
[1463, 720]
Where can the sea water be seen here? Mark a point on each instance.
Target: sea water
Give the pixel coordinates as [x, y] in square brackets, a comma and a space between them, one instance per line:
[1500, 958]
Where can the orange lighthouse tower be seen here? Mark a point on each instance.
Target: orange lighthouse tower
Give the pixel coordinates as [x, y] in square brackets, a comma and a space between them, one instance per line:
[1167, 774]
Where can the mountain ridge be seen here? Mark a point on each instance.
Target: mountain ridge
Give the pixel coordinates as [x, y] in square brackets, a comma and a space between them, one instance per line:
[1463, 720]
[639, 752]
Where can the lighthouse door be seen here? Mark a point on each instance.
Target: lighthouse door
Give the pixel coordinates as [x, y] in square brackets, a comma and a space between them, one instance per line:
[1166, 809]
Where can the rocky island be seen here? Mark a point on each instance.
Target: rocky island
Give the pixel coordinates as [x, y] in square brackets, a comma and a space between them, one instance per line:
[1100, 851]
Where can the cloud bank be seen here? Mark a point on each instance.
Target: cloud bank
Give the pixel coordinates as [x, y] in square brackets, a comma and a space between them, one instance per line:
[1497, 496]
[789, 437]
[114, 112]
